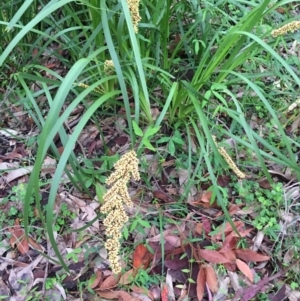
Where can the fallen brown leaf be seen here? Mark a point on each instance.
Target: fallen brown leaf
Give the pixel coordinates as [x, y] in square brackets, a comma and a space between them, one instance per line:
[141, 257]
[206, 196]
[162, 196]
[18, 238]
[119, 295]
[110, 282]
[225, 230]
[127, 278]
[212, 256]
[250, 256]
[98, 279]
[211, 278]
[201, 283]
[243, 267]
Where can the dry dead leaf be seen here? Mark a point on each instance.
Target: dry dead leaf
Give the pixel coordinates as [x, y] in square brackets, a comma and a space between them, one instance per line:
[21, 281]
[212, 256]
[198, 229]
[169, 232]
[234, 280]
[250, 256]
[294, 295]
[244, 268]
[206, 224]
[183, 176]
[35, 245]
[200, 283]
[141, 257]
[211, 278]
[17, 173]
[18, 238]
[127, 278]
[206, 196]
[229, 254]
[169, 284]
[49, 166]
[98, 279]
[142, 290]
[9, 133]
[110, 282]
[225, 230]
[164, 292]
[162, 196]
[258, 240]
[119, 295]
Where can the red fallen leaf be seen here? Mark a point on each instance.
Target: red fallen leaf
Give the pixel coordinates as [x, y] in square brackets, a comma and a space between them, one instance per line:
[224, 180]
[225, 230]
[141, 290]
[174, 252]
[141, 257]
[34, 244]
[198, 229]
[50, 65]
[124, 296]
[160, 195]
[164, 293]
[127, 278]
[230, 243]
[211, 279]
[234, 208]
[250, 256]
[98, 279]
[110, 282]
[206, 224]
[173, 43]
[18, 238]
[243, 233]
[206, 196]
[212, 256]
[229, 254]
[243, 267]
[201, 279]
[92, 147]
[121, 140]
[12, 155]
[119, 295]
[230, 266]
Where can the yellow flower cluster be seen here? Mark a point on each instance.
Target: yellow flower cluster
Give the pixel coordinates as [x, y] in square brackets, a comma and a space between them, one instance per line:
[228, 159]
[86, 86]
[292, 26]
[115, 197]
[134, 12]
[109, 67]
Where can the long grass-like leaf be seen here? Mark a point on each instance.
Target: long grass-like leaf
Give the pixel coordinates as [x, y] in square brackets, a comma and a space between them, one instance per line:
[43, 14]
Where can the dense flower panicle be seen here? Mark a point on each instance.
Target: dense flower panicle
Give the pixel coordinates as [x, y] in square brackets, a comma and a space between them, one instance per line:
[134, 13]
[290, 27]
[229, 160]
[109, 67]
[126, 166]
[114, 200]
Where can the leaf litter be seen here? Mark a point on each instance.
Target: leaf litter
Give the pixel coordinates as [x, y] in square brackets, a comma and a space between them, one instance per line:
[192, 269]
